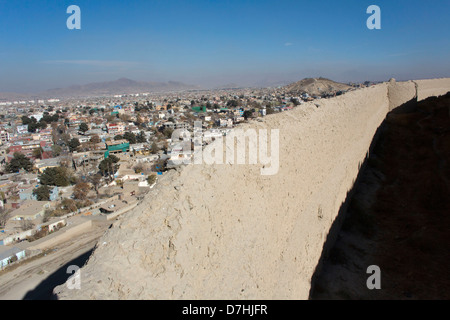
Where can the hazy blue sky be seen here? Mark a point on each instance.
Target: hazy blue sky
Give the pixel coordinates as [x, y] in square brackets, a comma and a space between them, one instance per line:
[218, 42]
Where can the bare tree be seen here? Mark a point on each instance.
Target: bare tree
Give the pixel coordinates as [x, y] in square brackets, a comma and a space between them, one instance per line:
[4, 216]
[26, 225]
[96, 180]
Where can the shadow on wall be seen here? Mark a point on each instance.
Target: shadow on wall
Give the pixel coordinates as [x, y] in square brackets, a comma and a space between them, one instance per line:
[44, 291]
[396, 215]
[343, 214]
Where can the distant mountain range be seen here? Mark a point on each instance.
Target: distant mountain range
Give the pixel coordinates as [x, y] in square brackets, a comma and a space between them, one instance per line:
[316, 86]
[120, 86]
[312, 86]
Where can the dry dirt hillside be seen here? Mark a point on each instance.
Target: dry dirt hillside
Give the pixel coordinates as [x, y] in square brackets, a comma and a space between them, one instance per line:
[316, 86]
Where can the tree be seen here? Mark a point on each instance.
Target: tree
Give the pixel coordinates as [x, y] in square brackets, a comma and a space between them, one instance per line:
[130, 136]
[168, 132]
[81, 190]
[154, 148]
[74, 143]
[114, 158]
[233, 103]
[4, 216]
[42, 193]
[42, 124]
[26, 225]
[83, 127]
[37, 153]
[125, 117]
[247, 114]
[95, 180]
[141, 138]
[65, 137]
[118, 137]
[19, 161]
[69, 205]
[159, 166]
[26, 120]
[56, 176]
[56, 150]
[109, 166]
[151, 179]
[138, 168]
[95, 139]
[111, 118]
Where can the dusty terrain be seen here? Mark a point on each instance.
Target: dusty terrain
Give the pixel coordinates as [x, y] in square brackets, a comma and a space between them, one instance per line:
[399, 216]
[35, 278]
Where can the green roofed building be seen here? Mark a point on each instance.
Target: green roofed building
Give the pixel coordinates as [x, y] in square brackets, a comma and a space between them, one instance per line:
[199, 109]
[117, 146]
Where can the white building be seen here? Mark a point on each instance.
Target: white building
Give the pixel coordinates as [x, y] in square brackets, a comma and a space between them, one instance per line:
[37, 116]
[23, 129]
[4, 136]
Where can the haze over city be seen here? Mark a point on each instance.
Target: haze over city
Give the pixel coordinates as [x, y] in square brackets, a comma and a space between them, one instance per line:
[215, 43]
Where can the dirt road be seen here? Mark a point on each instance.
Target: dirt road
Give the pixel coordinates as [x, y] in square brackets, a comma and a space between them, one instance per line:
[35, 279]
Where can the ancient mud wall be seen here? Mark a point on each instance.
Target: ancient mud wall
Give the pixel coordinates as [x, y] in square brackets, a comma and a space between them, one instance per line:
[432, 87]
[228, 232]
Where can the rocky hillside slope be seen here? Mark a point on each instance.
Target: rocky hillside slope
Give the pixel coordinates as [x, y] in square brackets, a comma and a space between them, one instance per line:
[316, 86]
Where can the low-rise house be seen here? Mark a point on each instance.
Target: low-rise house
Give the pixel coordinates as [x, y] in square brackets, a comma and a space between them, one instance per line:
[43, 164]
[87, 158]
[9, 255]
[225, 122]
[30, 210]
[117, 146]
[4, 136]
[146, 158]
[138, 147]
[56, 224]
[83, 139]
[23, 129]
[27, 193]
[115, 128]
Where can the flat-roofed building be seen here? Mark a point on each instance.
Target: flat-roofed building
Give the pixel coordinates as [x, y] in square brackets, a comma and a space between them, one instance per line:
[30, 210]
[116, 146]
